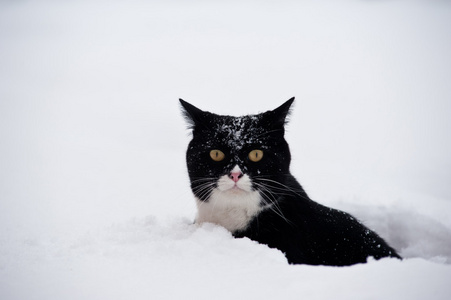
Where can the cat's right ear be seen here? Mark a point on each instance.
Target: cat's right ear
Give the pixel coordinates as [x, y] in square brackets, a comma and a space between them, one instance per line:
[192, 114]
[280, 114]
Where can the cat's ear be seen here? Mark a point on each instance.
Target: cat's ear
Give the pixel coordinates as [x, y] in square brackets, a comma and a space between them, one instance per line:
[280, 114]
[193, 115]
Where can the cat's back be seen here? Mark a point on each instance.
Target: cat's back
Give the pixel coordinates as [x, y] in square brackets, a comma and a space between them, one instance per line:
[310, 233]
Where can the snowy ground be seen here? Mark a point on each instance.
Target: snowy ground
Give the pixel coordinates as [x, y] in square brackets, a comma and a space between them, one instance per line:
[94, 196]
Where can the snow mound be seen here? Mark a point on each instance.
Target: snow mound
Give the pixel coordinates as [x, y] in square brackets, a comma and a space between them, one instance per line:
[409, 231]
[147, 258]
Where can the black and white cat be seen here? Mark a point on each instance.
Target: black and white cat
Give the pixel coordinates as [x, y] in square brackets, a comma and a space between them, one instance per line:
[240, 177]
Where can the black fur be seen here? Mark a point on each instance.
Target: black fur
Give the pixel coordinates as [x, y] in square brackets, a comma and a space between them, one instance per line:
[307, 232]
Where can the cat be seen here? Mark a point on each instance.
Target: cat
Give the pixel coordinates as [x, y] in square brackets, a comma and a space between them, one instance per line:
[239, 169]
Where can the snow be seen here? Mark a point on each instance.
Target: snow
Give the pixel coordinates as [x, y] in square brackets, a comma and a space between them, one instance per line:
[94, 193]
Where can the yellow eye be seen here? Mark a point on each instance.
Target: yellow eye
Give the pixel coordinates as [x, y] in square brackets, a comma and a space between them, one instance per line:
[256, 155]
[217, 155]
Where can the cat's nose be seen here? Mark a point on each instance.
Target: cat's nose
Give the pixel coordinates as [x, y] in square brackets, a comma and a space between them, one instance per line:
[235, 176]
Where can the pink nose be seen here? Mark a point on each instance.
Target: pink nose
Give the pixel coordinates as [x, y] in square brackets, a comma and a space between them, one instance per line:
[235, 176]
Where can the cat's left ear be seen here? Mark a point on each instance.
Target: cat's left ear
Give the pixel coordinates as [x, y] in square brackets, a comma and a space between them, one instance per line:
[193, 115]
[280, 114]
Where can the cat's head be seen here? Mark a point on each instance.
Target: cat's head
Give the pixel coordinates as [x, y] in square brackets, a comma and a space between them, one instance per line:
[236, 154]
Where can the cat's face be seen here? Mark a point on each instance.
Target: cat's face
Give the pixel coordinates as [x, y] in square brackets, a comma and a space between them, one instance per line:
[236, 155]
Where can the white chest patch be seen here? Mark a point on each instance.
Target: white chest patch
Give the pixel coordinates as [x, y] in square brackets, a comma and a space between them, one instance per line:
[230, 205]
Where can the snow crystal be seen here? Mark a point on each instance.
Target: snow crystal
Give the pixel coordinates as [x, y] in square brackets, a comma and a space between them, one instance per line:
[239, 131]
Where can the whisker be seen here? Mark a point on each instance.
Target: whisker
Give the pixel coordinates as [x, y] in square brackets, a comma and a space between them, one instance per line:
[203, 185]
[268, 132]
[266, 190]
[276, 192]
[203, 179]
[287, 188]
[273, 203]
[203, 190]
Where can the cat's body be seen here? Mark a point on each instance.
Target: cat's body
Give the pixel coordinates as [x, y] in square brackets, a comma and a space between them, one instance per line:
[239, 172]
